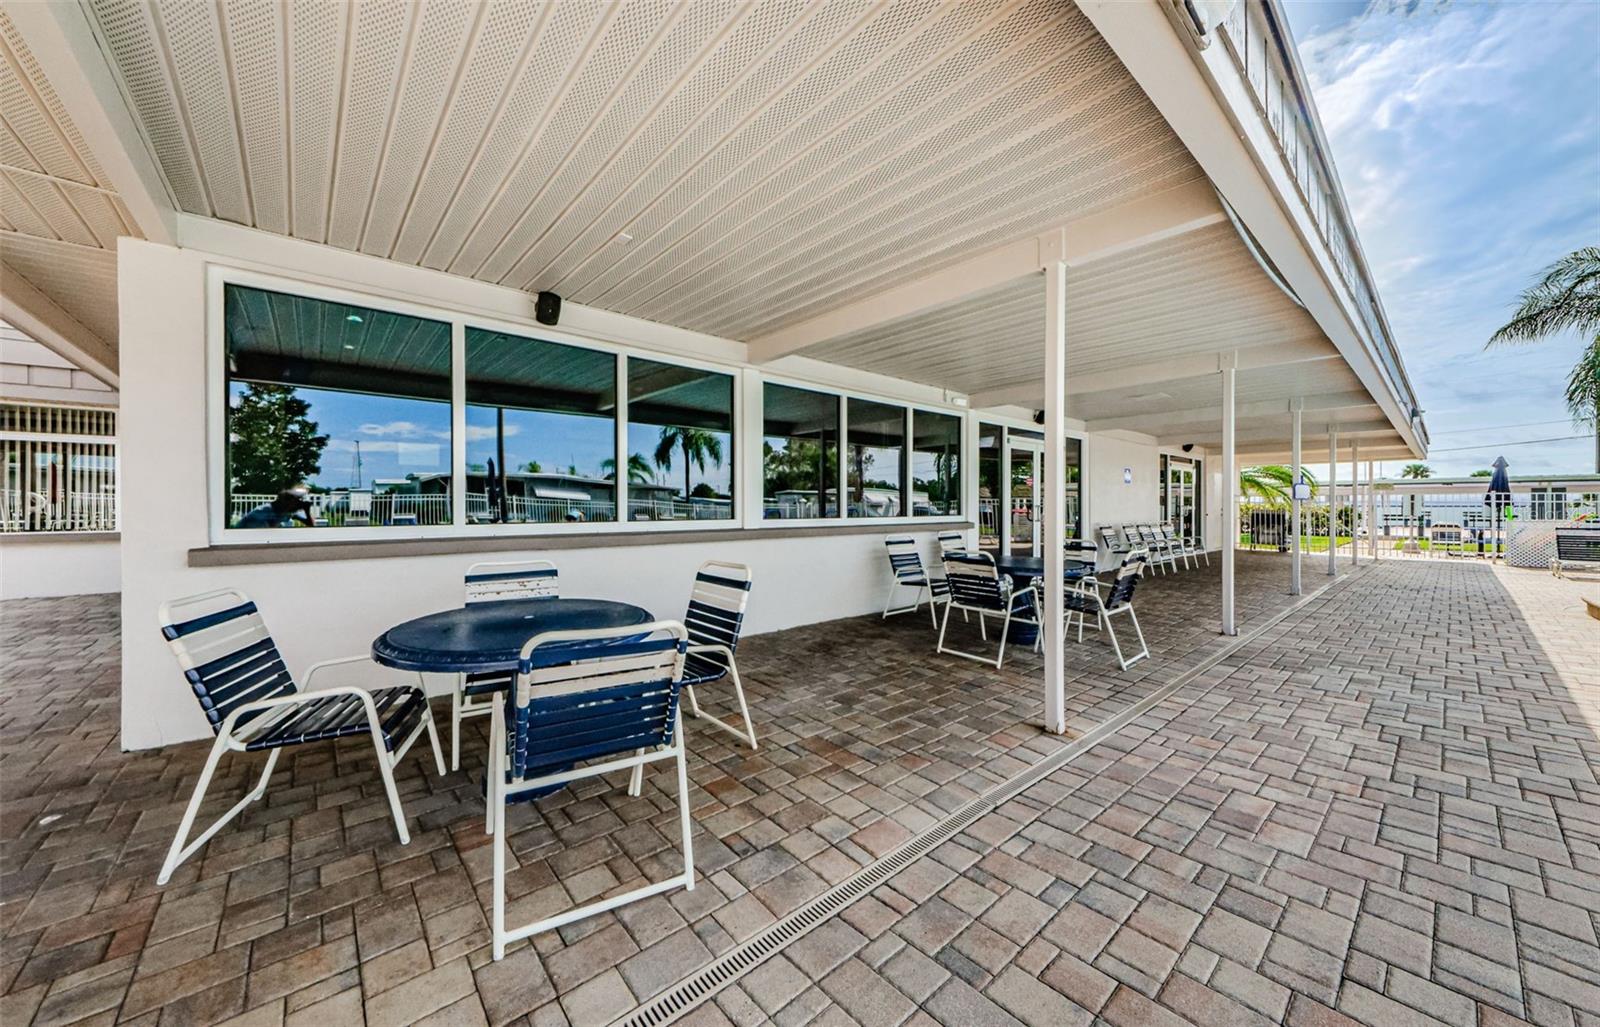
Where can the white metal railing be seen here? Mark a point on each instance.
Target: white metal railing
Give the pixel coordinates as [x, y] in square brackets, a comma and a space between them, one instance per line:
[1253, 47]
[58, 468]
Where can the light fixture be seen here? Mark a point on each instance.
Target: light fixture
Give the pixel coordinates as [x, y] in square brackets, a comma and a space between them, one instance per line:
[348, 346]
[353, 318]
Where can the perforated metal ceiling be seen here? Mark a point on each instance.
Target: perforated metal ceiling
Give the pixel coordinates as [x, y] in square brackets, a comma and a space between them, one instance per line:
[1197, 293]
[765, 160]
[59, 216]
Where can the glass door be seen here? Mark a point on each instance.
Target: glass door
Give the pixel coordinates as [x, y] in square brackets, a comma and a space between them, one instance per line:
[1027, 484]
[1183, 501]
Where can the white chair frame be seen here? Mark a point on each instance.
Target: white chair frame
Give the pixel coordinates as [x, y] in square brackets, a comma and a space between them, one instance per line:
[1103, 617]
[462, 705]
[1006, 617]
[500, 792]
[925, 591]
[231, 740]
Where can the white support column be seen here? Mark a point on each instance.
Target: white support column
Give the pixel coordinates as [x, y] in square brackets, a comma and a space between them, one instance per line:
[1229, 365]
[1055, 503]
[1295, 410]
[1355, 502]
[1333, 500]
[1372, 511]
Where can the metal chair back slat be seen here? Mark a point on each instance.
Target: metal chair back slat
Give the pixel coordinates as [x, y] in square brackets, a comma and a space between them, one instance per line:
[227, 655]
[620, 696]
[512, 579]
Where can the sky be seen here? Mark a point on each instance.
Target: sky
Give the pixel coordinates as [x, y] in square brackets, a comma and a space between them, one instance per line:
[1467, 139]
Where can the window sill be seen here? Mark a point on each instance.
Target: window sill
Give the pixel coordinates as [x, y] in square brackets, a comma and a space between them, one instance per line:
[245, 554]
[42, 537]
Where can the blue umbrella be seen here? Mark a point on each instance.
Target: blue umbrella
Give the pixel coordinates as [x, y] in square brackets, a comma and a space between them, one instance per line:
[1498, 498]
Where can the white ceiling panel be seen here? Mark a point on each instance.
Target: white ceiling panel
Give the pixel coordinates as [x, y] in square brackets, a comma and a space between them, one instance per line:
[726, 167]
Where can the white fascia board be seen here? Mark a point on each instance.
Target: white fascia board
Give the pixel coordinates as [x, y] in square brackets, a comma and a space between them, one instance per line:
[1149, 219]
[255, 250]
[1214, 115]
[39, 317]
[65, 44]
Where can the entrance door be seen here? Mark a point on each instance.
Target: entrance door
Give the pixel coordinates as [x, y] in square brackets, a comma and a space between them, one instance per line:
[1182, 499]
[1027, 485]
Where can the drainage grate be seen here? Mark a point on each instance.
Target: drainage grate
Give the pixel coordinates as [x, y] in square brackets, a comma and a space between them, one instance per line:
[690, 992]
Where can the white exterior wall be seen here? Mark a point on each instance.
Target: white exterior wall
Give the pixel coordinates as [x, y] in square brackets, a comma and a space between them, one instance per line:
[63, 566]
[323, 609]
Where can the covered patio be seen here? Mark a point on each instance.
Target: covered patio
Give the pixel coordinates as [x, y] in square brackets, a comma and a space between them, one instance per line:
[1337, 790]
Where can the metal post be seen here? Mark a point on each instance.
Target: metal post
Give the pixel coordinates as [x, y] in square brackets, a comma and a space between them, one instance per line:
[1372, 511]
[1355, 502]
[1333, 500]
[1229, 364]
[1055, 508]
[1294, 503]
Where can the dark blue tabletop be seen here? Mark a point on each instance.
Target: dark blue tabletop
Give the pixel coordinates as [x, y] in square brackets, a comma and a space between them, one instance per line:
[1024, 569]
[490, 636]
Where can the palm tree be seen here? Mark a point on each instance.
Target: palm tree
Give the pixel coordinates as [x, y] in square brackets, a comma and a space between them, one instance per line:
[639, 472]
[697, 444]
[1566, 298]
[1417, 471]
[1270, 484]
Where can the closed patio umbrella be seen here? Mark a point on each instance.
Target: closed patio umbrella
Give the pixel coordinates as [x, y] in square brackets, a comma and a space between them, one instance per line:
[1498, 498]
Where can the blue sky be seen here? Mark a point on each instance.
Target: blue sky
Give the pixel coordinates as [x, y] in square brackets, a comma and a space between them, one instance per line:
[1467, 137]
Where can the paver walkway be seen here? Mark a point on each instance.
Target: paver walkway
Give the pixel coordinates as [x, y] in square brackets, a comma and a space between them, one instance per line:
[1387, 806]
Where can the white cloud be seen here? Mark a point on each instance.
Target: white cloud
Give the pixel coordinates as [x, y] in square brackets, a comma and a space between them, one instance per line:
[403, 428]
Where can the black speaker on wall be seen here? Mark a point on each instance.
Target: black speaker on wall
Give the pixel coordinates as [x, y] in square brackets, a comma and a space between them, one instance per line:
[547, 308]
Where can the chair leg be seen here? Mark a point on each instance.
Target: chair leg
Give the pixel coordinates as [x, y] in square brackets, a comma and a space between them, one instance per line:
[455, 724]
[491, 771]
[944, 623]
[683, 810]
[433, 730]
[1144, 650]
[177, 854]
[1115, 645]
[744, 707]
[497, 815]
[1005, 629]
[933, 612]
[386, 768]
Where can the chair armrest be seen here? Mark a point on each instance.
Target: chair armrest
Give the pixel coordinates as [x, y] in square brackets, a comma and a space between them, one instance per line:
[296, 698]
[322, 665]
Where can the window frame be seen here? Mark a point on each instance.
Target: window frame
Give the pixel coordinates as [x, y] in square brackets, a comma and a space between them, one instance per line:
[747, 474]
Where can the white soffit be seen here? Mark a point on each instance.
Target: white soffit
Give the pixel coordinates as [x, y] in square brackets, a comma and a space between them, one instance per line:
[1193, 294]
[724, 167]
[59, 216]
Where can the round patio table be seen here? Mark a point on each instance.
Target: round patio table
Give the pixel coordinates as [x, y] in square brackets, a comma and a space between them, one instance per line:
[489, 636]
[1023, 570]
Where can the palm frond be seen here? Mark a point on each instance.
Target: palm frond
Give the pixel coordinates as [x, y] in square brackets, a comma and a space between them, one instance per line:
[1566, 297]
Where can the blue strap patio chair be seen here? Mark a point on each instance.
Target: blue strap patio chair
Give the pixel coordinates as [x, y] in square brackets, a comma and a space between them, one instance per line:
[1160, 553]
[617, 705]
[487, 583]
[1176, 547]
[1115, 546]
[1083, 598]
[906, 570]
[977, 586]
[714, 619]
[952, 542]
[234, 669]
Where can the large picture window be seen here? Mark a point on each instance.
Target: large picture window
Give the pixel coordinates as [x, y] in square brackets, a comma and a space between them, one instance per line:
[336, 414]
[680, 443]
[935, 464]
[541, 431]
[877, 455]
[800, 453]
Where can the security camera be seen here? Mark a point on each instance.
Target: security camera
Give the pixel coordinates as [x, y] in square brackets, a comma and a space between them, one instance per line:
[1038, 417]
[1188, 447]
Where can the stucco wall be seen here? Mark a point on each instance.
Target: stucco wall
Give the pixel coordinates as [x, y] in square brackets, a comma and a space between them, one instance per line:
[39, 567]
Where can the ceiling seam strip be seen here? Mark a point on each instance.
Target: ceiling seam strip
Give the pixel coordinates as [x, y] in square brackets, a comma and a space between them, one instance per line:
[33, 209]
[228, 76]
[411, 40]
[737, 17]
[513, 80]
[993, 95]
[881, 262]
[169, 74]
[864, 202]
[552, 102]
[839, 41]
[470, 43]
[841, 122]
[794, 26]
[337, 141]
[640, 59]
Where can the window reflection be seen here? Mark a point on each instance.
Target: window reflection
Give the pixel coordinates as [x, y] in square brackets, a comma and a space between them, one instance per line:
[680, 443]
[935, 464]
[877, 450]
[337, 414]
[541, 431]
[800, 453]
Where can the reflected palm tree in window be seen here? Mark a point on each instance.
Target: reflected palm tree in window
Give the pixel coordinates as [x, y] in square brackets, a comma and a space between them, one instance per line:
[639, 470]
[698, 446]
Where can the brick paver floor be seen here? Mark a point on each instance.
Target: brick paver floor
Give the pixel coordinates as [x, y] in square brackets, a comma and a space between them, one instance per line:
[1386, 806]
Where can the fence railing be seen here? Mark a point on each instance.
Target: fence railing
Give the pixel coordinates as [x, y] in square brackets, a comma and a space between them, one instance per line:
[58, 469]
